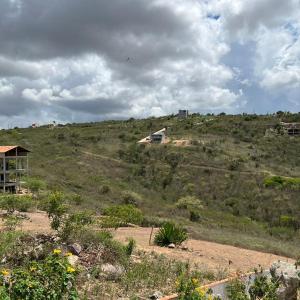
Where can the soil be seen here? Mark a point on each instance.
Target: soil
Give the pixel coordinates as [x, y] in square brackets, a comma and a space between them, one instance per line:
[209, 255]
[212, 256]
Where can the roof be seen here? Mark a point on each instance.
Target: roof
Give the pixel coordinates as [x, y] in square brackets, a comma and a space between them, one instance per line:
[4, 149]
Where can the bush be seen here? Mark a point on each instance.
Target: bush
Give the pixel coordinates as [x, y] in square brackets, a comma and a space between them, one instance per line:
[131, 198]
[189, 202]
[12, 203]
[73, 224]
[130, 247]
[9, 242]
[125, 214]
[56, 209]
[170, 233]
[53, 278]
[189, 288]
[282, 182]
[261, 288]
[34, 184]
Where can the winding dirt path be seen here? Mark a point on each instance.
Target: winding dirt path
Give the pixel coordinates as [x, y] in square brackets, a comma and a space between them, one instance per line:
[207, 255]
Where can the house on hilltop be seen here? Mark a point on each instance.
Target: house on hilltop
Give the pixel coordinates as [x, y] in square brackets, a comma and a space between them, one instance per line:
[183, 113]
[158, 137]
[13, 165]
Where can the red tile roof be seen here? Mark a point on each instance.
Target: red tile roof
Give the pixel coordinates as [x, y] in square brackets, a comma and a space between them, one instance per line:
[4, 149]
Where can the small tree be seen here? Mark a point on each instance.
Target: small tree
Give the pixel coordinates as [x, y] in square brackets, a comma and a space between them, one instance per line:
[34, 185]
[56, 209]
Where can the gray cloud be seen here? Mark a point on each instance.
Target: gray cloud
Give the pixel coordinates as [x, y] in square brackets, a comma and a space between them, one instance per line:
[94, 106]
[75, 60]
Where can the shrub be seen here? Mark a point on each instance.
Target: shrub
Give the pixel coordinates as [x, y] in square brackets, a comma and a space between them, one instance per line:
[261, 288]
[56, 209]
[12, 203]
[73, 224]
[53, 278]
[236, 290]
[170, 233]
[189, 288]
[34, 184]
[131, 198]
[189, 202]
[282, 182]
[125, 214]
[130, 247]
[195, 216]
[8, 242]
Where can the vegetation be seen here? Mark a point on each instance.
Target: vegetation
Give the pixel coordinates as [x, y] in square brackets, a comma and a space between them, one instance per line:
[262, 288]
[124, 214]
[170, 233]
[229, 165]
[52, 278]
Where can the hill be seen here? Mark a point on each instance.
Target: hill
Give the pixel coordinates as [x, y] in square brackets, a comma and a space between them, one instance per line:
[247, 182]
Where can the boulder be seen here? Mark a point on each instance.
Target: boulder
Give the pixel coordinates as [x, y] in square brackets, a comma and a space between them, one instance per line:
[289, 278]
[171, 246]
[75, 249]
[112, 272]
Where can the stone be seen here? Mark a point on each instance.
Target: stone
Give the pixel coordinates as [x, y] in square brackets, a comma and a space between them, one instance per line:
[75, 249]
[73, 259]
[156, 295]
[171, 246]
[111, 271]
[289, 278]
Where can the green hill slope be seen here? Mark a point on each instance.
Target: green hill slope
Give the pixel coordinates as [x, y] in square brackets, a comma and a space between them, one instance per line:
[230, 166]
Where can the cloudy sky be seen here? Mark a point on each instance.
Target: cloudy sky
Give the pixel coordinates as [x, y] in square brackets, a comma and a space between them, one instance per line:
[87, 60]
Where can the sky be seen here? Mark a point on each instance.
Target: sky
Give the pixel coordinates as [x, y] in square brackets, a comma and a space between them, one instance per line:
[91, 60]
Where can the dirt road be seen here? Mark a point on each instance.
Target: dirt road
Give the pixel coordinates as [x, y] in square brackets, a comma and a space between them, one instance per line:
[205, 254]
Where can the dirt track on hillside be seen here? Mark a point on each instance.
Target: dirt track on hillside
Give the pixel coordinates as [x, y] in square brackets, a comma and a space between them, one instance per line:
[205, 254]
[209, 255]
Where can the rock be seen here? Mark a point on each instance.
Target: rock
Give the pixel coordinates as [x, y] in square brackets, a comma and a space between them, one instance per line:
[111, 271]
[171, 246]
[288, 276]
[73, 259]
[156, 295]
[75, 249]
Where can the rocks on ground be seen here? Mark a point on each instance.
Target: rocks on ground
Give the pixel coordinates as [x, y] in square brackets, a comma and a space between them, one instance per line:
[75, 249]
[112, 272]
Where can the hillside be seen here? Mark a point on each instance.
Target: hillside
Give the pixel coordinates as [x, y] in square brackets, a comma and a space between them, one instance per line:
[229, 166]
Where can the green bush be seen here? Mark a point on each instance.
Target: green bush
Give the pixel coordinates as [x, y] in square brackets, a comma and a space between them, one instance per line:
[56, 209]
[130, 247]
[189, 202]
[189, 288]
[125, 214]
[236, 290]
[131, 198]
[261, 288]
[53, 278]
[12, 203]
[9, 242]
[282, 182]
[34, 184]
[73, 224]
[170, 233]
